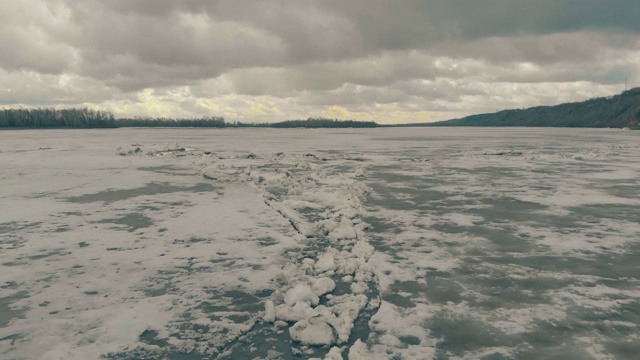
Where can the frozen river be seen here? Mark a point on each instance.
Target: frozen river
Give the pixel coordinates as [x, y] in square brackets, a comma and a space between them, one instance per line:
[397, 243]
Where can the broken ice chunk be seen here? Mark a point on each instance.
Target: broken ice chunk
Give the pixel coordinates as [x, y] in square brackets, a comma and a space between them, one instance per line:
[301, 293]
[313, 331]
[359, 351]
[344, 231]
[269, 311]
[308, 262]
[326, 262]
[323, 286]
[363, 248]
[358, 287]
[334, 354]
[299, 311]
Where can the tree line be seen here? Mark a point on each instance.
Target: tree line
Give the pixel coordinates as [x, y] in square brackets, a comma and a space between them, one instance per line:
[88, 118]
[54, 118]
[212, 122]
[312, 123]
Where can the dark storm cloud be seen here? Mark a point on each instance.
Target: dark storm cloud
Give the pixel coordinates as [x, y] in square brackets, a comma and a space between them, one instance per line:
[387, 24]
[133, 44]
[136, 44]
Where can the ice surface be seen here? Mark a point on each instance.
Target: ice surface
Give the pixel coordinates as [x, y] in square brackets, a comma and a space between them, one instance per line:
[355, 244]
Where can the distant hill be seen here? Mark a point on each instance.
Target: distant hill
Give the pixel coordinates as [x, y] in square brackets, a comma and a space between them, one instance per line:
[617, 111]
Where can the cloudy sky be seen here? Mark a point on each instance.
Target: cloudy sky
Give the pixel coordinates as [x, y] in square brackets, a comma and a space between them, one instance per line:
[255, 60]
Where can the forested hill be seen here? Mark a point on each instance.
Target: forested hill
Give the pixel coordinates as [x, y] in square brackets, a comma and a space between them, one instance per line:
[618, 111]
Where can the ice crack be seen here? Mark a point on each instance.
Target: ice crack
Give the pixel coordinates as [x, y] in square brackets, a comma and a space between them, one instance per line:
[327, 283]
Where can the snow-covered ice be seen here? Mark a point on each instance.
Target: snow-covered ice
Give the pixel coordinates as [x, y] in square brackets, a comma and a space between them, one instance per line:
[326, 244]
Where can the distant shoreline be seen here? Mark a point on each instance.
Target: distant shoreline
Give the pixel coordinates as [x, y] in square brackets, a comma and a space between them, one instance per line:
[621, 111]
[315, 128]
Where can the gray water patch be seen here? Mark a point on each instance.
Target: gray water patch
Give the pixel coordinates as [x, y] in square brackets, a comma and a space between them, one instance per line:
[403, 198]
[609, 211]
[486, 276]
[504, 240]
[624, 350]
[154, 205]
[425, 138]
[361, 330]
[11, 285]
[153, 188]
[45, 254]
[500, 176]
[437, 289]
[381, 243]
[190, 241]
[603, 265]
[263, 241]
[132, 221]
[450, 228]
[507, 210]
[380, 225]
[212, 308]
[162, 283]
[11, 227]
[442, 290]
[7, 312]
[398, 300]
[503, 293]
[11, 339]
[381, 237]
[409, 340]
[630, 191]
[235, 306]
[620, 320]
[413, 287]
[237, 300]
[151, 337]
[556, 340]
[11, 242]
[169, 170]
[341, 169]
[276, 191]
[266, 241]
[164, 353]
[61, 229]
[263, 340]
[311, 215]
[387, 174]
[460, 334]
[70, 213]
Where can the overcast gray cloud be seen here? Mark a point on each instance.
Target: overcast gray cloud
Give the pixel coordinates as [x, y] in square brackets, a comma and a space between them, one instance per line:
[254, 60]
